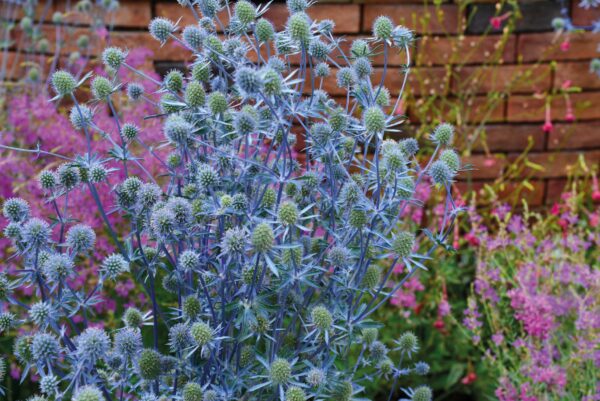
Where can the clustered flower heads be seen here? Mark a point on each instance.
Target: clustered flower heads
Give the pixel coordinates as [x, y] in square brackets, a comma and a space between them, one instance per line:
[269, 262]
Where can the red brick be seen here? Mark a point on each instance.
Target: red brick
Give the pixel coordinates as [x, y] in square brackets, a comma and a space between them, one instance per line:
[534, 47]
[420, 18]
[555, 188]
[575, 136]
[556, 164]
[583, 16]
[428, 81]
[476, 109]
[130, 14]
[513, 192]
[528, 108]
[578, 72]
[507, 138]
[438, 50]
[506, 78]
[484, 167]
[345, 16]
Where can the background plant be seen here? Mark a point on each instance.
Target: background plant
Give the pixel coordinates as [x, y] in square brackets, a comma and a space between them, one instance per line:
[269, 261]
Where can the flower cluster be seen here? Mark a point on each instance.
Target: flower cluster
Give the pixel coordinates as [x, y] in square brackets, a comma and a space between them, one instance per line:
[266, 260]
[534, 308]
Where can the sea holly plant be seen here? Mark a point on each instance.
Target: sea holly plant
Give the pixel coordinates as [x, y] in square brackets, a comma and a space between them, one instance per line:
[262, 234]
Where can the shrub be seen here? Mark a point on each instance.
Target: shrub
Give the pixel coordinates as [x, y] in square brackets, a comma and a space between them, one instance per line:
[249, 241]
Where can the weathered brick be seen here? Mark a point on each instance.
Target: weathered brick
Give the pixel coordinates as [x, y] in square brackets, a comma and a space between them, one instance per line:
[424, 81]
[508, 138]
[575, 136]
[476, 109]
[578, 73]
[506, 78]
[556, 164]
[535, 47]
[529, 108]
[535, 16]
[420, 18]
[130, 14]
[584, 16]
[345, 16]
[554, 189]
[439, 50]
[484, 166]
[512, 192]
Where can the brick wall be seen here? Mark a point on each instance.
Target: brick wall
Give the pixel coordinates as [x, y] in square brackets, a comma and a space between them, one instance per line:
[454, 43]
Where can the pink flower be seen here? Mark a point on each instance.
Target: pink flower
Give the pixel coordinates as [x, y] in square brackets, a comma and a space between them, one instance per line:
[564, 46]
[498, 338]
[547, 127]
[496, 22]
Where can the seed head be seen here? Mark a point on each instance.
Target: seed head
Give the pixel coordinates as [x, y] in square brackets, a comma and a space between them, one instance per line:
[49, 385]
[295, 393]
[322, 70]
[245, 12]
[383, 28]
[44, 348]
[113, 57]
[319, 49]
[192, 392]
[63, 83]
[36, 232]
[371, 278]
[128, 341]
[440, 172]
[80, 116]
[179, 337]
[321, 318]
[101, 88]
[421, 368]
[248, 80]
[374, 120]
[189, 260]
[403, 244]
[217, 103]
[362, 67]
[451, 158]
[422, 393]
[194, 37]
[408, 343]
[16, 210]
[174, 81]
[191, 307]
[161, 28]
[201, 333]
[92, 344]
[281, 371]
[177, 130]
[443, 134]
[369, 335]
[58, 267]
[135, 91]
[263, 237]
[288, 213]
[88, 393]
[298, 27]
[346, 77]
[360, 48]
[297, 6]
[194, 94]
[149, 364]
[264, 30]
[133, 318]
[114, 265]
